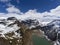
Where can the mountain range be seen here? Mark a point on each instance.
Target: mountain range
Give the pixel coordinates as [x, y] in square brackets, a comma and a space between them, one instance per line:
[13, 30]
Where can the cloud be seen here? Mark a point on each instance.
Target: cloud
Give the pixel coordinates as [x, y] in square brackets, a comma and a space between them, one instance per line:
[18, 1]
[45, 16]
[4, 0]
[55, 11]
[33, 14]
[13, 9]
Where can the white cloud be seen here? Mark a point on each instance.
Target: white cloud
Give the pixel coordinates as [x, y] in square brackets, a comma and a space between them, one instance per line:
[18, 1]
[55, 11]
[12, 9]
[45, 16]
[33, 14]
[4, 0]
[12, 12]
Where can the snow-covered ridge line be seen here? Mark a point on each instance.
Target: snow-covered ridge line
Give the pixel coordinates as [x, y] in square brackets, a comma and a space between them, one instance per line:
[7, 26]
[10, 25]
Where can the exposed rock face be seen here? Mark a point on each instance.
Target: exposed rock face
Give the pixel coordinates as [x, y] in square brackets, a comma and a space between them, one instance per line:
[10, 32]
[16, 32]
[51, 31]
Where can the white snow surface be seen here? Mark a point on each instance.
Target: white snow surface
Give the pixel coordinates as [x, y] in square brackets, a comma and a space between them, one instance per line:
[4, 29]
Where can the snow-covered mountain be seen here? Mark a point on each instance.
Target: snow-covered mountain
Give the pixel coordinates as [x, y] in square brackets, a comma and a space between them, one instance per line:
[11, 27]
[6, 27]
[10, 30]
[51, 30]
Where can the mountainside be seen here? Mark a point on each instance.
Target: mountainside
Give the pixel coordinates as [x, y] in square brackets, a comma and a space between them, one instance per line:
[18, 32]
[10, 31]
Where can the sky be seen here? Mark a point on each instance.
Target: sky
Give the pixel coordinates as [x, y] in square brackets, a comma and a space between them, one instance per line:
[42, 10]
[25, 5]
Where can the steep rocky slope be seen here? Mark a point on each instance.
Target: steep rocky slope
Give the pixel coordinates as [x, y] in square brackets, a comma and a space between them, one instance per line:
[14, 31]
